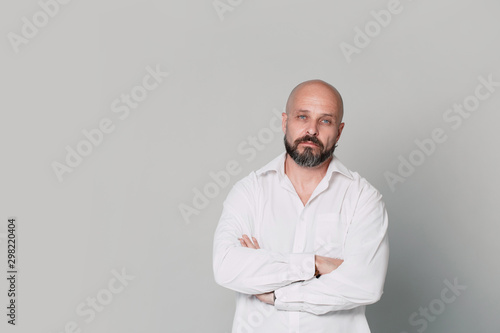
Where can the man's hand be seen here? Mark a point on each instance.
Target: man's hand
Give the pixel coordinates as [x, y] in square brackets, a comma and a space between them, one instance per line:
[266, 298]
[327, 265]
[247, 242]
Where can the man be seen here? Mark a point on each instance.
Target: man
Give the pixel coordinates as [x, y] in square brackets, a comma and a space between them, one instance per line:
[303, 240]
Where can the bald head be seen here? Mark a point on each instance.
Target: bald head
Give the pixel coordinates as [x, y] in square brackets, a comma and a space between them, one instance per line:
[316, 90]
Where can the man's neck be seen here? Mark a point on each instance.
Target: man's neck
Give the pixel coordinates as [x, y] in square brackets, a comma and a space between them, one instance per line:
[305, 177]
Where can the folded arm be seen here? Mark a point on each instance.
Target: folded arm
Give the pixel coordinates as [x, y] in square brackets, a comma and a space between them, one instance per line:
[360, 278]
[248, 270]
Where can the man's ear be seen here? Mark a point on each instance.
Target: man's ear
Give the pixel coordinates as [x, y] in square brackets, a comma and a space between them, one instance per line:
[284, 119]
[341, 128]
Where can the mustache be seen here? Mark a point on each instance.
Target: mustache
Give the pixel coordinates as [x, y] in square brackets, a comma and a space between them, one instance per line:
[307, 138]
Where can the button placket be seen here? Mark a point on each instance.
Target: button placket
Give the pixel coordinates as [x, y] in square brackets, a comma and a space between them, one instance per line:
[300, 233]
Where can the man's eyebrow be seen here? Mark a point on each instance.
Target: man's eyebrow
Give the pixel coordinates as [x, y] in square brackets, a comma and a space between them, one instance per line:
[323, 114]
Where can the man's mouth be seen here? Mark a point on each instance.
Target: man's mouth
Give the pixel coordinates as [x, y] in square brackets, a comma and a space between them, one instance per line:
[309, 143]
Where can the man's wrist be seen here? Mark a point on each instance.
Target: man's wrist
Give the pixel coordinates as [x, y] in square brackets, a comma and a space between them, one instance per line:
[316, 272]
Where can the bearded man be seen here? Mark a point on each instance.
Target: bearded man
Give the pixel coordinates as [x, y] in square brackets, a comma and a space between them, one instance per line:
[303, 240]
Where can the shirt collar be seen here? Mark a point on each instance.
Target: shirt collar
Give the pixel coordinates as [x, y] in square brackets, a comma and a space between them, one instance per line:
[278, 165]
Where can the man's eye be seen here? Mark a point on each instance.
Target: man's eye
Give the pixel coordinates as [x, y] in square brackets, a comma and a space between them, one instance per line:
[327, 121]
[302, 116]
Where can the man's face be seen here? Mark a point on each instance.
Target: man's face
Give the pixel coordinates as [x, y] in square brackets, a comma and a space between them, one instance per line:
[312, 126]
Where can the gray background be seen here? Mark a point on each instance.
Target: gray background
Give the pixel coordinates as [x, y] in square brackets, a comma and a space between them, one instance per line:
[119, 209]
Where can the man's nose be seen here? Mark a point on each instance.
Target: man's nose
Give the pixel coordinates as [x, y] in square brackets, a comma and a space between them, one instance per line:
[312, 128]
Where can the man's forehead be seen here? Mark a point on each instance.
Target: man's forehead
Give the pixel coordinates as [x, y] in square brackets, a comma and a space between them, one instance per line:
[319, 107]
[316, 95]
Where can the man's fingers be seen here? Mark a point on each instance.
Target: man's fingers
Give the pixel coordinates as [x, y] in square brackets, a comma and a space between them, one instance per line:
[246, 242]
[256, 243]
[243, 241]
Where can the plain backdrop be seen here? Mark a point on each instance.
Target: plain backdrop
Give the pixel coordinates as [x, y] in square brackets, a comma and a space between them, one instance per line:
[120, 208]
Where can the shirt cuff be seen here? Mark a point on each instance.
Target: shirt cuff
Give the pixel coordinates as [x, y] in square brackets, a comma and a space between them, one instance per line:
[285, 298]
[302, 266]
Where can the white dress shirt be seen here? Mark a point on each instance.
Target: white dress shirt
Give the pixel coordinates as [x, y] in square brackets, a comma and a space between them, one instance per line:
[344, 218]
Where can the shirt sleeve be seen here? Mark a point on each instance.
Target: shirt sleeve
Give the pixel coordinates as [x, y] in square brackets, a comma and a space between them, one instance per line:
[251, 271]
[359, 280]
